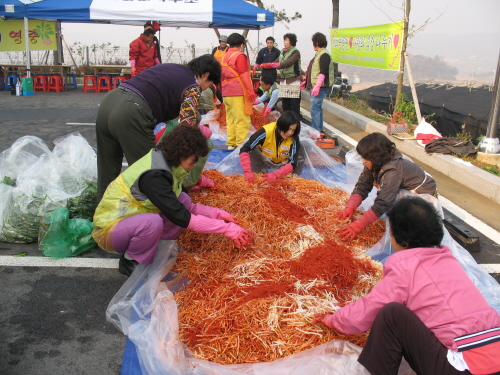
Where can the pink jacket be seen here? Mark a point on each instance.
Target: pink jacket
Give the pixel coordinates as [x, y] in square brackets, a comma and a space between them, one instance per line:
[432, 284]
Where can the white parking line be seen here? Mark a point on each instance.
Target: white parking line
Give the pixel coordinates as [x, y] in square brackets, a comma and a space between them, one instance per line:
[39, 261]
[80, 123]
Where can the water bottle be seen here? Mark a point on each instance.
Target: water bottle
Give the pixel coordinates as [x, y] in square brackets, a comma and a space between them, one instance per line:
[18, 88]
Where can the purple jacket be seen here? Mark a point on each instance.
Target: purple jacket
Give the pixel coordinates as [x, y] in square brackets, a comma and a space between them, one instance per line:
[432, 284]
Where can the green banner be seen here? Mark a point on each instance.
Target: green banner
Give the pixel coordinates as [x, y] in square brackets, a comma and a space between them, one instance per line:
[376, 47]
[41, 35]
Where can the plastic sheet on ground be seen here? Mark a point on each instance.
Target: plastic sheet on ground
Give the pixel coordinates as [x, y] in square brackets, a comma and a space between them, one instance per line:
[144, 308]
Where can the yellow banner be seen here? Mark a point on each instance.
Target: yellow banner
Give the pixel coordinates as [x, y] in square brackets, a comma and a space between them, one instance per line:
[41, 35]
[371, 47]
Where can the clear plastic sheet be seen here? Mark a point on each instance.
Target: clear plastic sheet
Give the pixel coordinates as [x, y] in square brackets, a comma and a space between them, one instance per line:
[144, 308]
[43, 181]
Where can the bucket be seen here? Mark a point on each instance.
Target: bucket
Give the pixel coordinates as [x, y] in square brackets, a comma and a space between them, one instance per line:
[27, 83]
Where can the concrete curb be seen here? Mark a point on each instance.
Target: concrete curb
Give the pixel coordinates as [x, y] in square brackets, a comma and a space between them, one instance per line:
[471, 176]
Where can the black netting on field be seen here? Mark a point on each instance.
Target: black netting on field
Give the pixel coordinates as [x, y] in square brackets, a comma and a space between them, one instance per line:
[452, 106]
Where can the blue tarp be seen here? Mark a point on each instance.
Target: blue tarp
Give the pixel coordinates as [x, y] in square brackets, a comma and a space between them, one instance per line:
[228, 14]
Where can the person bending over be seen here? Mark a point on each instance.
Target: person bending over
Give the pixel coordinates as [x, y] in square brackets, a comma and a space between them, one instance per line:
[425, 309]
[146, 204]
[270, 95]
[385, 169]
[275, 145]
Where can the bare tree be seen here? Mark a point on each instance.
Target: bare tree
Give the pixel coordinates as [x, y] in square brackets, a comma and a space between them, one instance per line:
[335, 25]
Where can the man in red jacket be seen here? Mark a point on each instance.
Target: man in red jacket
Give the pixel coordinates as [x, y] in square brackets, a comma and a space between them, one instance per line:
[143, 53]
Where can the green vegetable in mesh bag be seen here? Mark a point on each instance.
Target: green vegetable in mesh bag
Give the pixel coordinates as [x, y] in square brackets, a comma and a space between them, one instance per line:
[62, 237]
[84, 205]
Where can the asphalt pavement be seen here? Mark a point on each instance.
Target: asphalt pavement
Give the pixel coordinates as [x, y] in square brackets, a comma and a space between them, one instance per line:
[52, 319]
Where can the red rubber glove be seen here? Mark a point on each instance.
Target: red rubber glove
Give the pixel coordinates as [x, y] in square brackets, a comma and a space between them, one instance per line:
[350, 232]
[283, 171]
[273, 65]
[266, 111]
[246, 164]
[319, 82]
[254, 69]
[205, 130]
[256, 102]
[353, 203]
[157, 61]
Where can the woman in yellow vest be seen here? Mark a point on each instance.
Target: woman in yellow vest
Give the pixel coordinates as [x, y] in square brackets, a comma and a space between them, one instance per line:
[320, 75]
[237, 91]
[146, 204]
[275, 145]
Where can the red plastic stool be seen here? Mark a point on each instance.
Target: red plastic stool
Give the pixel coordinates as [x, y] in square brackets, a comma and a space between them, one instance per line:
[117, 80]
[41, 82]
[86, 83]
[104, 83]
[56, 83]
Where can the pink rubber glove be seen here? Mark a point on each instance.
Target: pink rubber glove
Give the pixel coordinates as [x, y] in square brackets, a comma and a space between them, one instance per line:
[303, 85]
[203, 182]
[157, 61]
[256, 102]
[266, 111]
[350, 232]
[212, 212]
[325, 319]
[353, 203]
[246, 164]
[203, 224]
[283, 171]
[265, 105]
[205, 130]
[132, 64]
[319, 82]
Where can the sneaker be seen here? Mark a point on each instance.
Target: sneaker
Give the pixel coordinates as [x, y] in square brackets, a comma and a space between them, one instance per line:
[126, 266]
[231, 147]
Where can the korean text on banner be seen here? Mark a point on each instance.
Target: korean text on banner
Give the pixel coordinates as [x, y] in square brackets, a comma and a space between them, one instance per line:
[41, 35]
[371, 46]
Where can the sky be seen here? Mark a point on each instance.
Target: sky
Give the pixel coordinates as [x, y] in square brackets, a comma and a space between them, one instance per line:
[452, 17]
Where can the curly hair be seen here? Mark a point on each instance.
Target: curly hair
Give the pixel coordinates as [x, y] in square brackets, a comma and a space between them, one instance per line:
[415, 223]
[181, 143]
[319, 40]
[376, 148]
[292, 38]
[287, 119]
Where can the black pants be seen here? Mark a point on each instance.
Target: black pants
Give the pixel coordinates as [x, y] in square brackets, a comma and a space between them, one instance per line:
[124, 126]
[291, 104]
[396, 333]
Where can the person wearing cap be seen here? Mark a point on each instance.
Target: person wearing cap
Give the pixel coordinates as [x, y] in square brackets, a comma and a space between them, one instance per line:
[220, 51]
[155, 27]
[143, 53]
[237, 91]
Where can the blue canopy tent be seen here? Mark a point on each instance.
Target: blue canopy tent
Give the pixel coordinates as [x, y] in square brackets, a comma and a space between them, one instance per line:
[225, 14]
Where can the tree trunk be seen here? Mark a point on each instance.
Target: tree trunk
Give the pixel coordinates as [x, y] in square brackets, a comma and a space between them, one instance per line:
[335, 25]
[403, 50]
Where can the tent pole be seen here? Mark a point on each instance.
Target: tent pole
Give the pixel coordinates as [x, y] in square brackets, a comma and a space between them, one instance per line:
[490, 144]
[27, 44]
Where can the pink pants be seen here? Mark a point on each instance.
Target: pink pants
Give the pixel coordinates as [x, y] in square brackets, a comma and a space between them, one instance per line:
[139, 235]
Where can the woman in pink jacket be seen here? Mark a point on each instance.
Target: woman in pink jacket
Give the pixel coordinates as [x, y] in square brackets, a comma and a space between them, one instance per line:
[425, 309]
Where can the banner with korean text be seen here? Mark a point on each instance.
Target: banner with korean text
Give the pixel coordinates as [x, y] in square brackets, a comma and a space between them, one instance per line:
[376, 47]
[41, 34]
